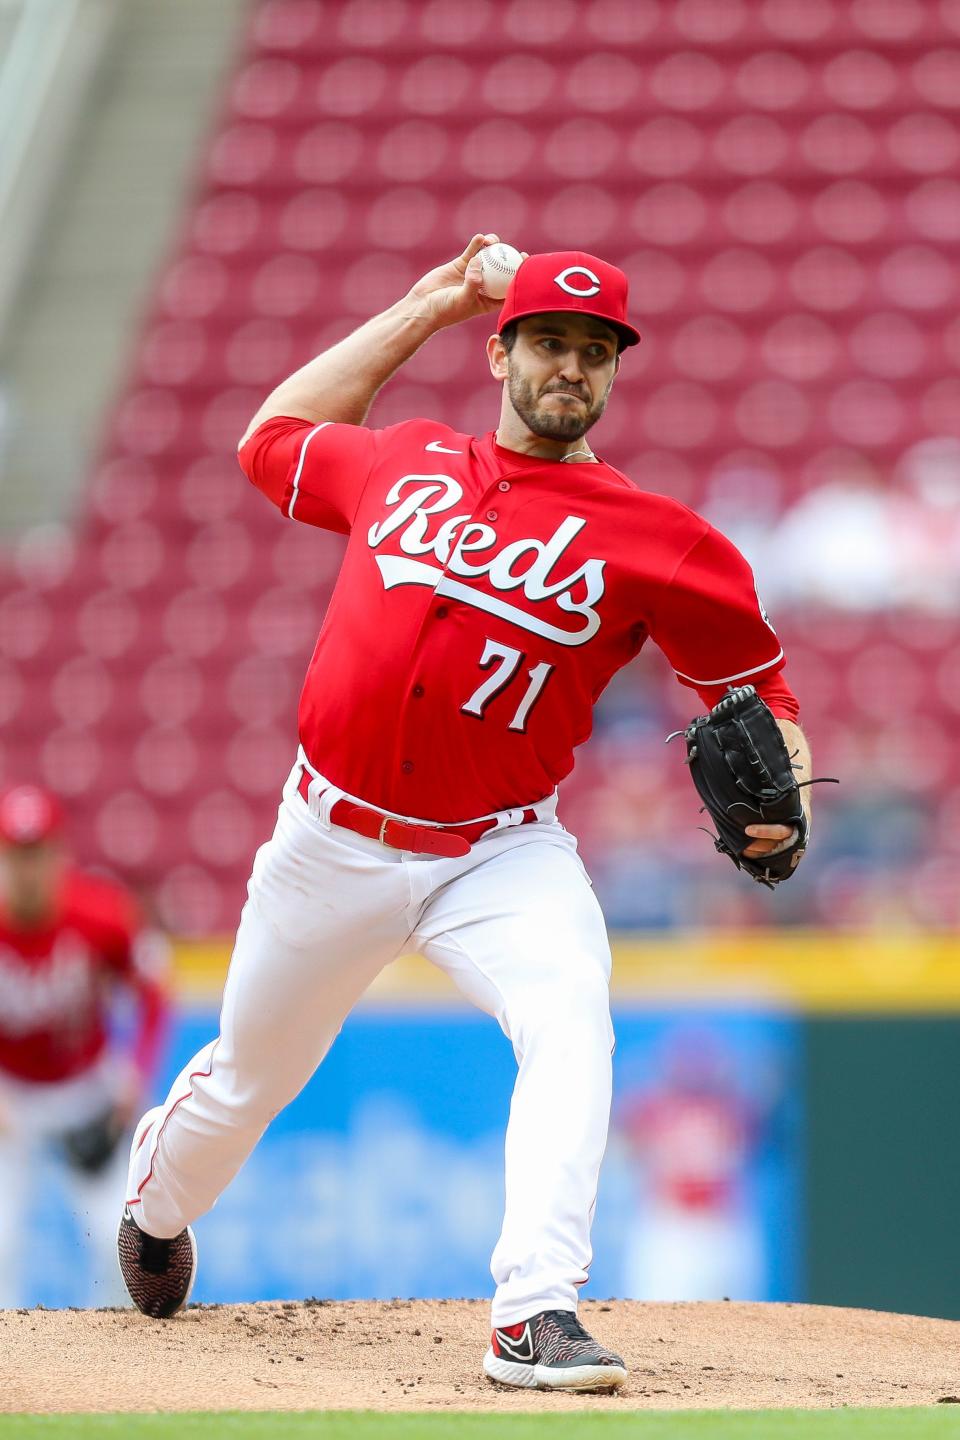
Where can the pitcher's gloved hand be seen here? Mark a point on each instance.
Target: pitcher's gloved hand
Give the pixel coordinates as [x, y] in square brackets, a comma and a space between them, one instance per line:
[739, 763]
[89, 1147]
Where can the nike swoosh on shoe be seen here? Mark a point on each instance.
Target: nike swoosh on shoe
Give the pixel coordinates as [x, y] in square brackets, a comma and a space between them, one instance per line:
[519, 1349]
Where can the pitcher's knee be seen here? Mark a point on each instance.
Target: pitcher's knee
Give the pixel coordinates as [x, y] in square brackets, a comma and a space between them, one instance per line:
[573, 1016]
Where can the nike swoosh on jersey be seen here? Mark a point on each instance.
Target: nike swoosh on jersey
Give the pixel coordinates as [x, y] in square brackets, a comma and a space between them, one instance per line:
[521, 1349]
[441, 449]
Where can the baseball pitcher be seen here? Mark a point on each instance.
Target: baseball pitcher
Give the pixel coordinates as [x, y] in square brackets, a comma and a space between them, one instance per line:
[490, 589]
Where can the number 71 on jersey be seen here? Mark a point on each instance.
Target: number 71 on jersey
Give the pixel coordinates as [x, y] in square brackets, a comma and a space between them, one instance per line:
[510, 662]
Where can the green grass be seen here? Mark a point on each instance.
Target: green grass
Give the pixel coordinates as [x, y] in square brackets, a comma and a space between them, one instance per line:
[907, 1424]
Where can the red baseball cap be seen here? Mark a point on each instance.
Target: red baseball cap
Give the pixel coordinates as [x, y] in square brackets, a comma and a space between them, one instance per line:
[570, 280]
[28, 815]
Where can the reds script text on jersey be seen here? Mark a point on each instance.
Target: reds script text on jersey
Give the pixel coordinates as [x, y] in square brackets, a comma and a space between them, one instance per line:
[55, 980]
[486, 599]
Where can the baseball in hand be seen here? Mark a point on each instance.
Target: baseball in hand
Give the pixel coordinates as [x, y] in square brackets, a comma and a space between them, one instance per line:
[498, 264]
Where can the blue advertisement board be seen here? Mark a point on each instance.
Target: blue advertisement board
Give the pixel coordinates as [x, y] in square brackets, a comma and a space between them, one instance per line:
[385, 1177]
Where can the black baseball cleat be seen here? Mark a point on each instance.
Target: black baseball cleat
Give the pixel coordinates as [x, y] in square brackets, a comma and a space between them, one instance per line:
[158, 1274]
[552, 1351]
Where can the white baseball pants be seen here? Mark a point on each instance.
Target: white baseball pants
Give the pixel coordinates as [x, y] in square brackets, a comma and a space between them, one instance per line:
[517, 927]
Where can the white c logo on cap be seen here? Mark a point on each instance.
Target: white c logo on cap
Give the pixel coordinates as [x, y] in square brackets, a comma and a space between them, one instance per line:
[563, 280]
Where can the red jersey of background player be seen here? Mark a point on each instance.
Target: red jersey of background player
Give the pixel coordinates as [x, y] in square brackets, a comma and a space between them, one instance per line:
[485, 600]
[693, 1146]
[58, 968]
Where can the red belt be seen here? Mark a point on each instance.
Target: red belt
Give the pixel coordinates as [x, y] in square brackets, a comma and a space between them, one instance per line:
[448, 840]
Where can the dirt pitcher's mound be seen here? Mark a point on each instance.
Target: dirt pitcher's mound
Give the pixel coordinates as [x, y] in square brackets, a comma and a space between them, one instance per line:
[425, 1354]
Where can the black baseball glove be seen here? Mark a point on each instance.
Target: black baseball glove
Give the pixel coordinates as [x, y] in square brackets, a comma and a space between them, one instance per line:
[740, 765]
[90, 1147]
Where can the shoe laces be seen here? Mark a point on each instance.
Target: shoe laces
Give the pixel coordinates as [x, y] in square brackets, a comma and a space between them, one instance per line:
[568, 1324]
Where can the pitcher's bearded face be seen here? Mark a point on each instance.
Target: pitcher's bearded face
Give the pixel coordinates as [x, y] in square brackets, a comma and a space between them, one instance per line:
[560, 370]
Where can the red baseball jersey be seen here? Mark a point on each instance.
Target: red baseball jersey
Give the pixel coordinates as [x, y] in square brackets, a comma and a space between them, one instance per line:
[485, 600]
[56, 978]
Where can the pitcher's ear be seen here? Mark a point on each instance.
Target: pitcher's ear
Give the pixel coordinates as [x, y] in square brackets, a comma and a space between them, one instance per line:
[497, 357]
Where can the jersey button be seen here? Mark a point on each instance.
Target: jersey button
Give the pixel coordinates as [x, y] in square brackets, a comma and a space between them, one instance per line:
[418, 692]
[491, 514]
[504, 486]
[441, 612]
[407, 767]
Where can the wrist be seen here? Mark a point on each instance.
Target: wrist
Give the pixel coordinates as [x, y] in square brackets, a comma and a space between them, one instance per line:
[418, 317]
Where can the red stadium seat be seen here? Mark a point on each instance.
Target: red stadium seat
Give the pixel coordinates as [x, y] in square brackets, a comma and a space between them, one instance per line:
[448, 24]
[933, 209]
[165, 760]
[258, 760]
[72, 762]
[936, 77]
[851, 212]
[220, 829]
[192, 901]
[518, 84]
[924, 142]
[761, 213]
[603, 82]
[666, 146]
[171, 690]
[919, 278]
[260, 688]
[266, 89]
[327, 152]
[288, 24]
[539, 22]
[737, 279]
[801, 347]
[752, 144]
[888, 344]
[792, 22]
[688, 80]
[669, 214]
[108, 623]
[128, 828]
[259, 352]
[370, 24]
[773, 413]
[860, 79]
[888, 20]
[772, 80]
[613, 23]
[827, 278]
[711, 347]
[243, 154]
[26, 621]
[211, 487]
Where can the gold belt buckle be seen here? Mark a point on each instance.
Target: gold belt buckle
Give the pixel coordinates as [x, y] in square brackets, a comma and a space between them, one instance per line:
[383, 827]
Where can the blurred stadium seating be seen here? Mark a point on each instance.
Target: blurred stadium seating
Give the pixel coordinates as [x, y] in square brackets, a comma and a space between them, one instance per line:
[779, 181]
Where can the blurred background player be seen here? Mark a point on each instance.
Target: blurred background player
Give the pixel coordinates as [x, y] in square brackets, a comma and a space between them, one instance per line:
[70, 945]
[692, 1135]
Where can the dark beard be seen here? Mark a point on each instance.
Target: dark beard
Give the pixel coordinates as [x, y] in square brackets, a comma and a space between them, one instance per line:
[550, 425]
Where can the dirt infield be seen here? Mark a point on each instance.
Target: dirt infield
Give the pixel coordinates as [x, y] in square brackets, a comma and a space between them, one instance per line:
[425, 1355]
